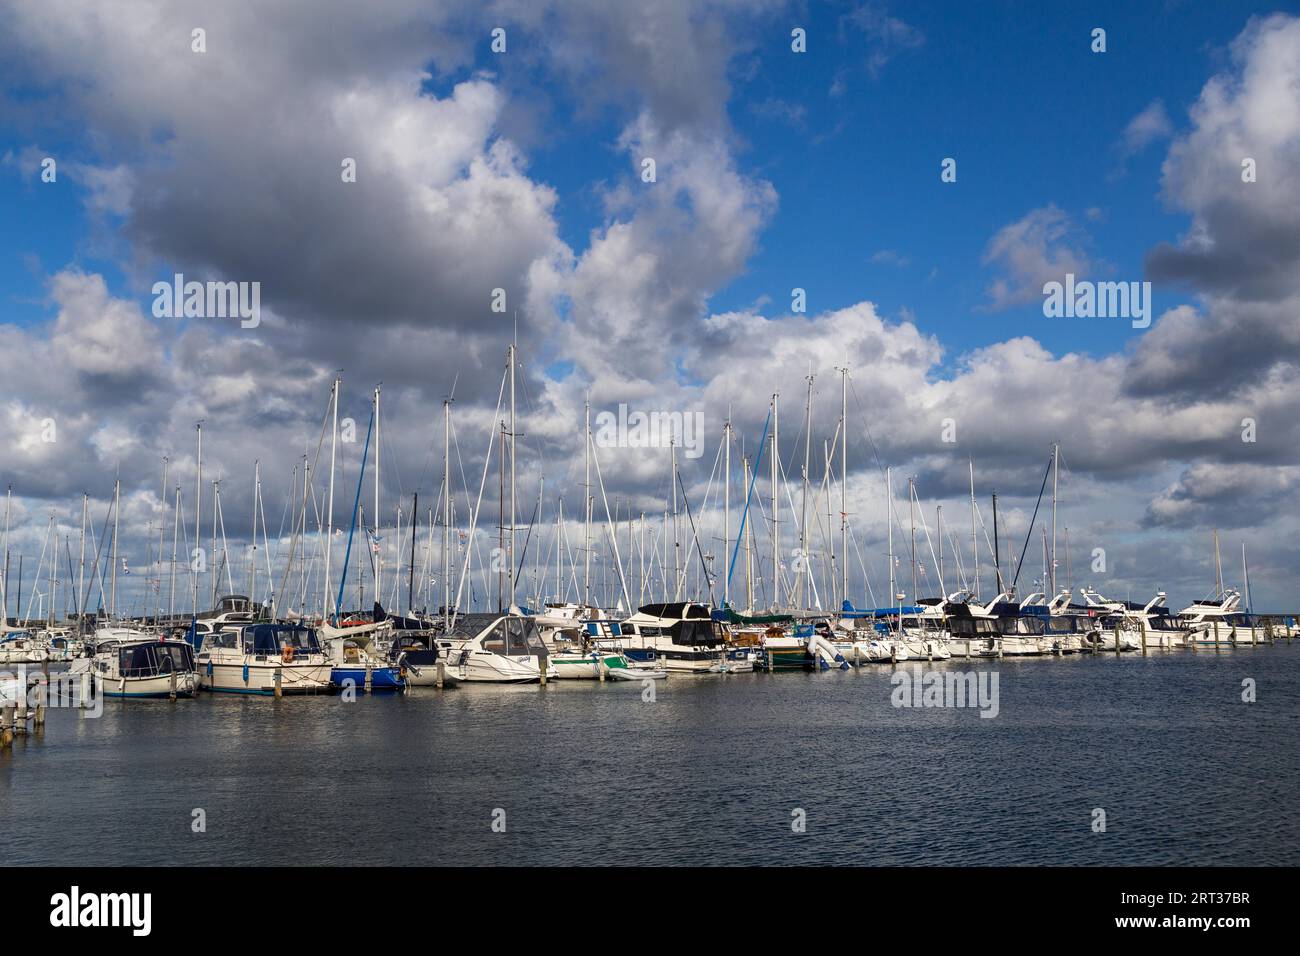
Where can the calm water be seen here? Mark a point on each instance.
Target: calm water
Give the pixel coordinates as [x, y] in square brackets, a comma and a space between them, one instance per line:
[709, 772]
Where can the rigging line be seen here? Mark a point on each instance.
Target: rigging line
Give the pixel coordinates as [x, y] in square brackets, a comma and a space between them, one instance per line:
[708, 578]
[866, 578]
[1029, 534]
[749, 495]
[352, 525]
[473, 524]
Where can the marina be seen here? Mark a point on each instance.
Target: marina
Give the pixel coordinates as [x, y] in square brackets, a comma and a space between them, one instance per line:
[713, 767]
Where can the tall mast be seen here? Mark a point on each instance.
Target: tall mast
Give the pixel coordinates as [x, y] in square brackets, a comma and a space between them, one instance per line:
[938, 531]
[1056, 469]
[726, 508]
[216, 568]
[1218, 566]
[329, 517]
[672, 480]
[974, 547]
[749, 537]
[1245, 576]
[586, 503]
[410, 578]
[176, 534]
[162, 499]
[844, 480]
[117, 501]
[801, 598]
[446, 510]
[997, 557]
[501, 526]
[776, 520]
[379, 555]
[257, 500]
[560, 541]
[911, 511]
[198, 513]
[889, 522]
[81, 572]
[511, 552]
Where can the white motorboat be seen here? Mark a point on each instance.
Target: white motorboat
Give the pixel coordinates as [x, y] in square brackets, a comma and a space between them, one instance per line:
[140, 667]
[1218, 621]
[494, 648]
[677, 636]
[259, 658]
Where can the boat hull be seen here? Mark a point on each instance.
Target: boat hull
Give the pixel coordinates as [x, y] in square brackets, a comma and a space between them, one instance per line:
[258, 677]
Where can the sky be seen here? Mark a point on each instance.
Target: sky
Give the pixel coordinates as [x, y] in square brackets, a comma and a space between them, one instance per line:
[523, 170]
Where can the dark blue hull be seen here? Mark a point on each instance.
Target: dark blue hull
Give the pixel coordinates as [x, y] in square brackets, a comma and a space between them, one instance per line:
[381, 678]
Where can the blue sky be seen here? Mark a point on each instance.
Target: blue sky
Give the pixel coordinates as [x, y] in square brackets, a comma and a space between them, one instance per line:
[1016, 96]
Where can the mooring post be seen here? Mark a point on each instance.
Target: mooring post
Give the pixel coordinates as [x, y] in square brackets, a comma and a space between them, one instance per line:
[279, 682]
[1142, 627]
[541, 668]
[1216, 635]
[441, 673]
[7, 725]
[1117, 640]
[171, 685]
[369, 676]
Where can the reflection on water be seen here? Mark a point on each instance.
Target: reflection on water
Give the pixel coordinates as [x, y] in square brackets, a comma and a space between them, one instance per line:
[709, 772]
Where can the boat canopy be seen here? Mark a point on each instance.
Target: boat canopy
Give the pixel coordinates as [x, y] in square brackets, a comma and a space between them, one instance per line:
[678, 610]
[147, 658]
[273, 638]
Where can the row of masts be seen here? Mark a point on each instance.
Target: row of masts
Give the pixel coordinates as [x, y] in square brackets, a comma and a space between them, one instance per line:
[799, 592]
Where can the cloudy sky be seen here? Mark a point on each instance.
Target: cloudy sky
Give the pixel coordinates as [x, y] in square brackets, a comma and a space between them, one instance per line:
[523, 170]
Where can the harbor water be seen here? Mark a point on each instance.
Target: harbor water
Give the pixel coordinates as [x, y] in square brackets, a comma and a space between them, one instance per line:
[722, 769]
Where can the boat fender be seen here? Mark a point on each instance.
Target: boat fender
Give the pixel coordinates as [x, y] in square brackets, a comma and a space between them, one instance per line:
[286, 654]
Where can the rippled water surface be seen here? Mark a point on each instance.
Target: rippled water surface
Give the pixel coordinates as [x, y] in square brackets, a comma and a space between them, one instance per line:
[711, 771]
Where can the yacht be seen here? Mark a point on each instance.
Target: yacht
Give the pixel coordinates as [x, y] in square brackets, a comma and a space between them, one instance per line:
[140, 667]
[248, 660]
[20, 646]
[677, 636]
[494, 648]
[924, 631]
[865, 637]
[1218, 621]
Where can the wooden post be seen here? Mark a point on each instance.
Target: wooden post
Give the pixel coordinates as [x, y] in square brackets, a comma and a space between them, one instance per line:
[171, 685]
[42, 691]
[441, 673]
[1216, 635]
[1117, 640]
[541, 668]
[279, 682]
[7, 725]
[1268, 631]
[1142, 625]
[42, 698]
[369, 677]
[1253, 639]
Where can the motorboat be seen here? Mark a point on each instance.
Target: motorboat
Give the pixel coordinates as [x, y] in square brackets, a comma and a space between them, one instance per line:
[141, 667]
[264, 659]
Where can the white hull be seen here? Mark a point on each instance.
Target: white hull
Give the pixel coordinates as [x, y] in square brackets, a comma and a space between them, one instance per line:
[295, 678]
[487, 667]
[927, 648]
